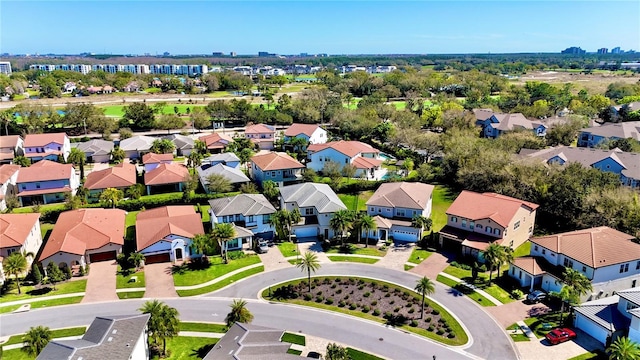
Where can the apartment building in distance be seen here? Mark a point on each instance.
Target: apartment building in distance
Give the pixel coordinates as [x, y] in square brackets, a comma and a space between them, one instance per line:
[5, 68]
[167, 69]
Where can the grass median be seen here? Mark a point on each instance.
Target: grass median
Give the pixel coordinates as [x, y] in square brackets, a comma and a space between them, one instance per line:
[354, 259]
[463, 289]
[222, 283]
[184, 276]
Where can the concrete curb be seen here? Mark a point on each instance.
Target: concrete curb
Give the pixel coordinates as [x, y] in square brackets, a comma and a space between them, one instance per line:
[495, 301]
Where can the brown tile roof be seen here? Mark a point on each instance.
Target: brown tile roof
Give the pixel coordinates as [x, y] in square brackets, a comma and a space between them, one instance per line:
[349, 148]
[366, 163]
[166, 174]
[77, 231]
[15, 228]
[9, 141]
[6, 155]
[153, 158]
[156, 224]
[297, 129]
[216, 140]
[595, 247]
[7, 171]
[45, 170]
[34, 140]
[529, 264]
[119, 176]
[50, 152]
[276, 161]
[476, 206]
[259, 129]
[409, 195]
[44, 191]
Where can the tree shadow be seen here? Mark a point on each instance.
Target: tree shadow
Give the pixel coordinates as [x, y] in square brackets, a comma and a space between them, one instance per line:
[40, 291]
[202, 351]
[454, 292]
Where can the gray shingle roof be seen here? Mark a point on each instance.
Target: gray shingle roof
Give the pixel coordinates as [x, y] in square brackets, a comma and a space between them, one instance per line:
[234, 175]
[180, 141]
[402, 194]
[139, 142]
[248, 342]
[632, 295]
[320, 196]
[604, 313]
[245, 204]
[223, 157]
[96, 147]
[629, 129]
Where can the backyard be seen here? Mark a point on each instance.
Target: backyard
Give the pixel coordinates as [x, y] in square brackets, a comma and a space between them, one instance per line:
[442, 199]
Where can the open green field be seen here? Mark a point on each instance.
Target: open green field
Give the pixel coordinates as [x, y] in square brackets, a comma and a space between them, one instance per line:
[442, 199]
[356, 202]
[118, 110]
[188, 347]
[401, 105]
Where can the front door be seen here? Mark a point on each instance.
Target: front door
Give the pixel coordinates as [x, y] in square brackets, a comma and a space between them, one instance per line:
[179, 254]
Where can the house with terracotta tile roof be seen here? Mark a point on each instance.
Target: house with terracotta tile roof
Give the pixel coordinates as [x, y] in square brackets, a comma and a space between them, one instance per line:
[83, 236]
[610, 259]
[275, 166]
[46, 182]
[119, 177]
[312, 133]
[494, 124]
[96, 150]
[474, 221]
[394, 205]
[364, 157]
[10, 147]
[8, 183]
[164, 234]
[591, 137]
[153, 160]
[166, 178]
[136, 146]
[47, 146]
[262, 135]
[20, 233]
[216, 142]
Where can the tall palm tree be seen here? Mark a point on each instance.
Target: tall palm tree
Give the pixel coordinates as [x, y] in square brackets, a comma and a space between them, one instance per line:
[577, 282]
[366, 223]
[309, 262]
[425, 287]
[163, 323]
[566, 296]
[292, 217]
[239, 313]
[623, 349]
[111, 196]
[15, 264]
[136, 259]
[493, 255]
[154, 308]
[77, 157]
[341, 222]
[194, 159]
[336, 352]
[6, 117]
[222, 233]
[270, 189]
[117, 155]
[277, 222]
[421, 222]
[36, 339]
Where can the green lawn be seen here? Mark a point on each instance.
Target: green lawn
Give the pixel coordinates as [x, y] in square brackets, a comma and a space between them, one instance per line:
[130, 226]
[359, 250]
[206, 218]
[522, 250]
[130, 295]
[354, 259]
[44, 303]
[419, 255]
[56, 333]
[536, 323]
[294, 339]
[203, 327]
[359, 355]
[519, 336]
[222, 283]
[401, 105]
[595, 355]
[217, 269]
[287, 248]
[356, 202]
[408, 267]
[187, 347]
[118, 110]
[442, 199]
[68, 287]
[45, 228]
[481, 282]
[124, 282]
[29, 209]
[16, 354]
[468, 292]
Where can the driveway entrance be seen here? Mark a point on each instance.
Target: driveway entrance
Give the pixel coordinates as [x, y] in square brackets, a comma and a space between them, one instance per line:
[101, 282]
[159, 281]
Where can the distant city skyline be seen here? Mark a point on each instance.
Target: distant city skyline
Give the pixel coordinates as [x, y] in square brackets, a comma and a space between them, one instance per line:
[316, 27]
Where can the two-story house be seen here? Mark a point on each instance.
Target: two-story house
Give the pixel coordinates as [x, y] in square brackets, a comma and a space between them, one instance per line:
[10, 147]
[312, 133]
[624, 164]
[229, 159]
[96, 150]
[248, 211]
[47, 146]
[120, 177]
[394, 205]
[153, 160]
[235, 176]
[365, 158]
[216, 142]
[474, 221]
[275, 166]
[262, 135]
[136, 146]
[317, 203]
[607, 257]
[493, 124]
[46, 182]
[8, 183]
[592, 136]
[20, 233]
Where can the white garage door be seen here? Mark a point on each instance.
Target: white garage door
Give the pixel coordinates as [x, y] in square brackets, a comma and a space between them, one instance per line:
[404, 236]
[591, 328]
[303, 232]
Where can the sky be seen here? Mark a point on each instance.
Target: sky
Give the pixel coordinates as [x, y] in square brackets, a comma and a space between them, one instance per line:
[299, 26]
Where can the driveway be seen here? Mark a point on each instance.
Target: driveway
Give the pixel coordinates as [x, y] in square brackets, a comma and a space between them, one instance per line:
[536, 350]
[395, 258]
[273, 259]
[432, 266]
[159, 281]
[508, 314]
[101, 282]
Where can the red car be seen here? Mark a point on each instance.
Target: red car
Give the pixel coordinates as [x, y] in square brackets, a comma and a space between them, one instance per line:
[559, 335]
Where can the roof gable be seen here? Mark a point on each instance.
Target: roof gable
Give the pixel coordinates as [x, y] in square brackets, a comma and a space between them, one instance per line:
[348, 148]
[499, 208]
[155, 224]
[166, 174]
[45, 170]
[276, 161]
[299, 129]
[245, 204]
[7, 171]
[320, 196]
[119, 176]
[15, 228]
[153, 158]
[36, 140]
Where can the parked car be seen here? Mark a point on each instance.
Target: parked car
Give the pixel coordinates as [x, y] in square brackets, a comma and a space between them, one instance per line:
[559, 335]
[262, 246]
[536, 296]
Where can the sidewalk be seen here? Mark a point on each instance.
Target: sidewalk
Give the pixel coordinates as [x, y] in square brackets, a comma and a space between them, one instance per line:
[28, 301]
[211, 282]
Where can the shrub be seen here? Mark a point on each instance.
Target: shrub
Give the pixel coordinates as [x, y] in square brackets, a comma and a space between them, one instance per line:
[339, 291]
[374, 303]
[435, 312]
[397, 309]
[431, 328]
[440, 332]
[237, 254]
[451, 335]
[412, 310]
[360, 287]
[460, 266]
[334, 286]
[366, 309]
[376, 312]
[413, 323]
[308, 297]
[392, 302]
[387, 295]
[346, 297]
[409, 304]
[352, 306]
[319, 292]
[388, 315]
[367, 294]
[319, 299]
[342, 303]
[427, 319]
[517, 294]
[337, 280]
[329, 301]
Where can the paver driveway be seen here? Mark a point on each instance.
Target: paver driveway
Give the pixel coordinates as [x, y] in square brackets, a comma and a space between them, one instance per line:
[273, 259]
[159, 281]
[101, 282]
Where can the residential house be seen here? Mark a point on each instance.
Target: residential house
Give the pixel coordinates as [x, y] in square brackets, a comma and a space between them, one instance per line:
[262, 135]
[312, 133]
[365, 158]
[591, 137]
[46, 182]
[8, 183]
[136, 146]
[275, 166]
[216, 142]
[132, 86]
[474, 221]
[121, 177]
[251, 211]
[119, 337]
[165, 233]
[494, 124]
[394, 205]
[317, 203]
[47, 146]
[235, 176]
[229, 159]
[166, 177]
[85, 236]
[96, 151]
[607, 257]
[184, 144]
[153, 160]
[10, 147]
[624, 164]
[246, 341]
[20, 233]
[632, 106]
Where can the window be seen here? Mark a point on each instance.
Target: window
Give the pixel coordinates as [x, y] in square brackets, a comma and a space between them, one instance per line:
[454, 219]
[400, 212]
[37, 185]
[535, 248]
[250, 219]
[516, 225]
[513, 271]
[496, 231]
[308, 211]
[530, 229]
[464, 223]
[346, 161]
[511, 244]
[633, 283]
[624, 268]
[371, 209]
[379, 210]
[631, 306]
[488, 229]
[584, 269]
[479, 226]
[544, 251]
[273, 174]
[471, 225]
[265, 219]
[638, 265]
[568, 263]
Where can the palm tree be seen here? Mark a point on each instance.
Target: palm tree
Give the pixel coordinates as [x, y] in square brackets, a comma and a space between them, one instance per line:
[270, 189]
[277, 222]
[367, 224]
[493, 255]
[222, 233]
[170, 325]
[566, 296]
[117, 155]
[162, 146]
[341, 222]
[36, 339]
[200, 147]
[624, 349]
[136, 259]
[578, 283]
[218, 183]
[309, 262]
[239, 313]
[194, 159]
[421, 222]
[6, 117]
[163, 322]
[154, 308]
[245, 155]
[111, 196]
[77, 157]
[15, 264]
[425, 287]
[336, 352]
[291, 217]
